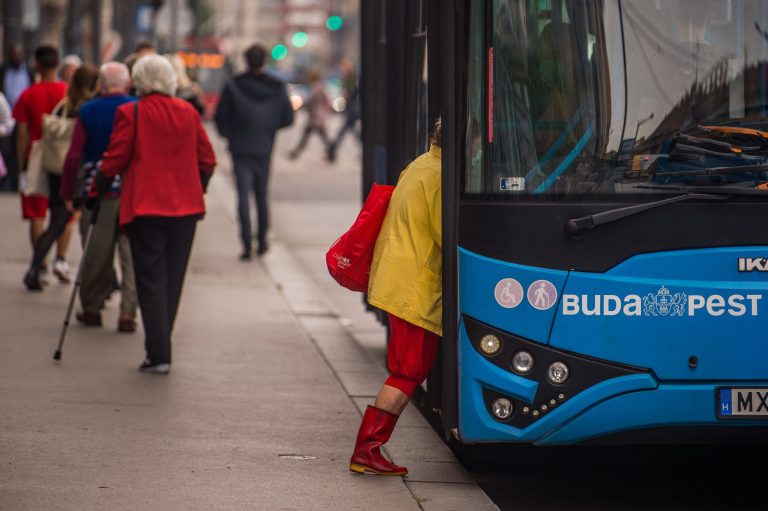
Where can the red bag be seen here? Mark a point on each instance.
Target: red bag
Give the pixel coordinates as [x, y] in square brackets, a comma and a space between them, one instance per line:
[349, 259]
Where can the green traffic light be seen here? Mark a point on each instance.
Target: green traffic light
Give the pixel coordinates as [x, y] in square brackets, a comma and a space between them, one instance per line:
[279, 52]
[299, 39]
[334, 22]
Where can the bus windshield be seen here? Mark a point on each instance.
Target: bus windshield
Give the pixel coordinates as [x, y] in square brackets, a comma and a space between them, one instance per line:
[583, 98]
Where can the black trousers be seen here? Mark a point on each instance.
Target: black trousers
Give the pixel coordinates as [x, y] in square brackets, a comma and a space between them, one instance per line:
[252, 176]
[60, 215]
[349, 124]
[160, 247]
[320, 130]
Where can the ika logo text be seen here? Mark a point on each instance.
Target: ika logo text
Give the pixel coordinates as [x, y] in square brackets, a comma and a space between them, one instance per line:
[663, 303]
[749, 264]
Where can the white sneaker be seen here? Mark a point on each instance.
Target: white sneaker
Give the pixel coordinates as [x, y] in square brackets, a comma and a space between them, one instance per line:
[44, 277]
[61, 270]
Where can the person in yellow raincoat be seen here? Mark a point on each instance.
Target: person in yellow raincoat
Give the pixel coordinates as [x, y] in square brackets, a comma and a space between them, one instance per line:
[406, 282]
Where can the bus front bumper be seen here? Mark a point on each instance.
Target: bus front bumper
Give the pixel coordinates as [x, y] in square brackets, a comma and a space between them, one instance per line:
[616, 401]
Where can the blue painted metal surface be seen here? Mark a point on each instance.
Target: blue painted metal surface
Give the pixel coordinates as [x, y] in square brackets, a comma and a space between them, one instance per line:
[478, 278]
[713, 313]
[476, 423]
[668, 405]
[662, 309]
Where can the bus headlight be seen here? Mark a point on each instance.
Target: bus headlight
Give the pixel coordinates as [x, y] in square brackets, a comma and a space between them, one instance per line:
[502, 408]
[522, 362]
[557, 373]
[490, 344]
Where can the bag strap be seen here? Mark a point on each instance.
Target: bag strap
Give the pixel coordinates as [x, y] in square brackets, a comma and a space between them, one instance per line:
[135, 129]
[61, 108]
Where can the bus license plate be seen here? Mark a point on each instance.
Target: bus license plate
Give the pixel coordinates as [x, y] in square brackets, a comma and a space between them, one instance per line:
[742, 403]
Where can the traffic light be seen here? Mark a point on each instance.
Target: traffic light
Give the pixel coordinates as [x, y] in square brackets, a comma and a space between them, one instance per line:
[279, 51]
[334, 22]
[299, 39]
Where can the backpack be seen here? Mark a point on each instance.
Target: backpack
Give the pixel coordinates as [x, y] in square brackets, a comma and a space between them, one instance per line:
[349, 258]
[57, 135]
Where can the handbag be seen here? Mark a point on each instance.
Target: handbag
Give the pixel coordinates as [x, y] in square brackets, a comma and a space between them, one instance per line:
[349, 258]
[36, 178]
[35, 182]
[57, 135]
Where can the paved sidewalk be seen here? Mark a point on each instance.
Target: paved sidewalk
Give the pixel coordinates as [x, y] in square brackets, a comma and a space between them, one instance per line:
[260, 410]
[313, 202]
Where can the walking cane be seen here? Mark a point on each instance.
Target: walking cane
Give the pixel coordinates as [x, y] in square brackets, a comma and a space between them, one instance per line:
[78, 279]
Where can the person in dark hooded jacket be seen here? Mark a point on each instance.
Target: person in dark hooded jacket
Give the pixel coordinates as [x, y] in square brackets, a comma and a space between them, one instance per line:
[252, 107]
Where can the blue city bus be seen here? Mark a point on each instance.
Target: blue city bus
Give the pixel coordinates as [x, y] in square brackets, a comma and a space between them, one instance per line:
[605, 170]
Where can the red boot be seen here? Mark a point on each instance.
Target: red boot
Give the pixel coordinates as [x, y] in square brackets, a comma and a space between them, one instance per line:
[375, 431]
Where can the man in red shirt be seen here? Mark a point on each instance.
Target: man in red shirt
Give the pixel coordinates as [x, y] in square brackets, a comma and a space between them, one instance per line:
[39, 99]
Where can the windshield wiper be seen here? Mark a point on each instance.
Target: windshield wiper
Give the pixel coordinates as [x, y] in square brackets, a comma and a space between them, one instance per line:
[716, 190]
[732, 148]
[715, 171]
[577, 225]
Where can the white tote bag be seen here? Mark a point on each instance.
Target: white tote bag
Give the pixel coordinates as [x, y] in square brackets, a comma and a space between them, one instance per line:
[57, 135]
[36, 179]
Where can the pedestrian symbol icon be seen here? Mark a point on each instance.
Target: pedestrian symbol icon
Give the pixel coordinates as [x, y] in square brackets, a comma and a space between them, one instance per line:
[542, 295]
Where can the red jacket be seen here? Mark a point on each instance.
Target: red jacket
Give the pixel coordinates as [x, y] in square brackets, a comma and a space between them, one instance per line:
[161, 170]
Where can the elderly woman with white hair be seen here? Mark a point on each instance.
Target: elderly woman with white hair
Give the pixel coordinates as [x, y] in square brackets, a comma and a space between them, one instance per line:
[164, 157]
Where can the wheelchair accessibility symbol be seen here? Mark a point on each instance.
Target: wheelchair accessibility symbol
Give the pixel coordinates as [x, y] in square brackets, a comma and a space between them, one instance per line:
[508, 293]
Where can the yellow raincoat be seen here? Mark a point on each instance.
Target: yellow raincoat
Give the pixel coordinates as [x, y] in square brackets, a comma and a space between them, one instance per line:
[406, 273]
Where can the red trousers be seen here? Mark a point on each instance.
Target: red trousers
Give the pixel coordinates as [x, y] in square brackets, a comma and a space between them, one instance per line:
[410, 354]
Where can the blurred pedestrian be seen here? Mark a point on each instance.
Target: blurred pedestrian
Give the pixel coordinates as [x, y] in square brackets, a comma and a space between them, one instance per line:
[14, 79]
[14, 75]
[318, 107]
[69, 65]
[142, 49]
[352, 109]
[405, 281]
[162, 153]
[89, 141]
[7, 123]
[188, 90]
[37, 100]
[252, 107]
[60, 224]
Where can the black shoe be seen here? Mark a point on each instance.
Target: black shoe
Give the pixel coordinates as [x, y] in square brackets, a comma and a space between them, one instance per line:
[263, 247]
[126, 325]
[150, 367]
[32, 281]
[246, 255]
[88, 318]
